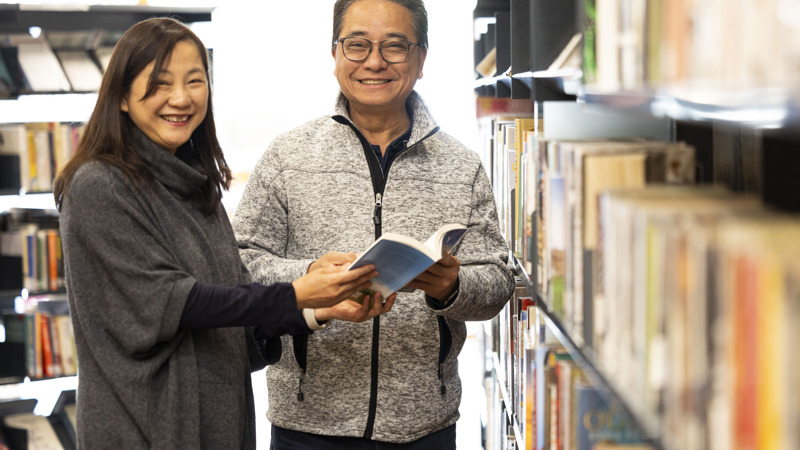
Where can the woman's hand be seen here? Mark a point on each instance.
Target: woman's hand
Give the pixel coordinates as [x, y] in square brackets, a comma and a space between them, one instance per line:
[352, 311]
[329, 285]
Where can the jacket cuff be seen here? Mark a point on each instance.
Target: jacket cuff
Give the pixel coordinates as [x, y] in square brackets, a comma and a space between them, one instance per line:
[443, 304]
[311, 320]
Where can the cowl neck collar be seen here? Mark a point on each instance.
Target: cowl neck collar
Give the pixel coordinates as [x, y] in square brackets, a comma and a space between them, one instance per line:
[178, 173]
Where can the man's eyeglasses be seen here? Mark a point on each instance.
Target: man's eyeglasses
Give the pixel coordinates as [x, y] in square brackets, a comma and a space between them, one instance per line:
[357, 49]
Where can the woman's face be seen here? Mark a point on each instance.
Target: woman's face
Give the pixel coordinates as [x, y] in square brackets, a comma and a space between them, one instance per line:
[179, 104]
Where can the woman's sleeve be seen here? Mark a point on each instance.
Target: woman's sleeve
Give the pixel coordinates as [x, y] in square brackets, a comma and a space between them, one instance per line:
[272, 309]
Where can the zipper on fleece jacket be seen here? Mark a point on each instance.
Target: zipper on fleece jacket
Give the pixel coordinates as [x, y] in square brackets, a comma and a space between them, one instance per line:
[300, 355]
[376, 214]
[375, 171]
[378, 186]
[445, 345]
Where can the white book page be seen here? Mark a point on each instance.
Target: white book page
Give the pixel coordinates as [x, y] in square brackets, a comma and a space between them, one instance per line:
[42, 68]
[83, 73]
[445, 238]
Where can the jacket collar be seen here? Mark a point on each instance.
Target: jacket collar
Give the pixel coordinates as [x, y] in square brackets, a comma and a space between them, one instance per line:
[178, 173]
[422, 126]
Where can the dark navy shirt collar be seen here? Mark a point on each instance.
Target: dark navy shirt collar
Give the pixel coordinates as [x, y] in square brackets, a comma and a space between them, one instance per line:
[396, 146]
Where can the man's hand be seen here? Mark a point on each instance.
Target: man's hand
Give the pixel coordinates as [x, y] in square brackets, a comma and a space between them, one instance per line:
[332, 259]
[439, 281]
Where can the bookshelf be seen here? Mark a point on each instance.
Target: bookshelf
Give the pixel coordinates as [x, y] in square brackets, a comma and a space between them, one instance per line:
[673, 300]
[51, 64]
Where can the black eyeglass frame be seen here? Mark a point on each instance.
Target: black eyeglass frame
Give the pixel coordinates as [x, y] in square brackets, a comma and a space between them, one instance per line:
[380, 50]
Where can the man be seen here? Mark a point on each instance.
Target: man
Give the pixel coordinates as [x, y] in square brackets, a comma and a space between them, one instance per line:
[379, 164]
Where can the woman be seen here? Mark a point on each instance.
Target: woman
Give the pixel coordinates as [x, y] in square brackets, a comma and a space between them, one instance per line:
[157, 291]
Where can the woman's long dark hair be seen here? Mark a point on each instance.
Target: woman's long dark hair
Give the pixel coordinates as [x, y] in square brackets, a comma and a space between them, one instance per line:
[107, 134]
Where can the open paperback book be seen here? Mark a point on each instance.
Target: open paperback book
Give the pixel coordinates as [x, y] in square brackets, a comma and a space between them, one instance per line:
[399, 259]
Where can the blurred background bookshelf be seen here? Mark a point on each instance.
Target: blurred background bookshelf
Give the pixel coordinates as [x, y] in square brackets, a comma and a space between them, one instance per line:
[720, 78]
[642, 155]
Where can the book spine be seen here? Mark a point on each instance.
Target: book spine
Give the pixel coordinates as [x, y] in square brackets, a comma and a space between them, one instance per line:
[52, 259]
[46, 346]
[37, 346]
[42, 267]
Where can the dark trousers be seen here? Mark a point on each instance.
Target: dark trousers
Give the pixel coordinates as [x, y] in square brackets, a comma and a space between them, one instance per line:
[283, 439]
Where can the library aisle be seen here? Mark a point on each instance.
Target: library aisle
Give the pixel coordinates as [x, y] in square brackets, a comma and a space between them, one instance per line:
[473, 399]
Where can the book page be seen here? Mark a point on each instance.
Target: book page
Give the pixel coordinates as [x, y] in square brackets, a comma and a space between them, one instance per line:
[83, 73]
[397, 263]
[42, 68]
[445, 239]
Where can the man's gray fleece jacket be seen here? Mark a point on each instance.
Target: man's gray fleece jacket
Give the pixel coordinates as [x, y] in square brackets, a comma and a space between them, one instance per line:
[394, 378]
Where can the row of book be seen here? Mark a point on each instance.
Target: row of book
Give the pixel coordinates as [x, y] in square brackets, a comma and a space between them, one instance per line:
[31, 154]
[546, 191]
[691, 50]
[695, 310]
[39, 342]
[552, 403]
[712, 44]
[30, 246]
[683, 293]
[567, 177]
[31, 64]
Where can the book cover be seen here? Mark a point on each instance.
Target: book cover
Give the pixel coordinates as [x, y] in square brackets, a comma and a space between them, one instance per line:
[37, 346]
[43, 265]
[529, 402]
[523, 127]
[55, 346]
[52, 260]
[598, 422]
[48, 360]
[14, 141]
[399, 259]
[66, 344]
[556, 243]
[41, 156]
[544, 360]
[29, 257]
[530, 204]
